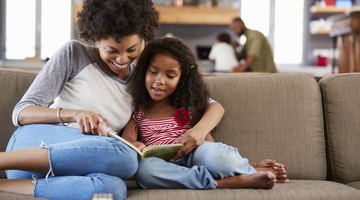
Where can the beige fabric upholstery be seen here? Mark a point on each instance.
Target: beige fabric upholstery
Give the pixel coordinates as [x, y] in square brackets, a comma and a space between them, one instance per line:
[275, 116]
[13, 86]
[341, 99]
[297, 189]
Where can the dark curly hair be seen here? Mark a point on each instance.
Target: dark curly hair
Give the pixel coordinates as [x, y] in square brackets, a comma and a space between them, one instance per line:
[100, 19]
[191, 91]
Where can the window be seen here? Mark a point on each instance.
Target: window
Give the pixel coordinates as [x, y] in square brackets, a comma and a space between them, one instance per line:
[42, 27]
[281, 21]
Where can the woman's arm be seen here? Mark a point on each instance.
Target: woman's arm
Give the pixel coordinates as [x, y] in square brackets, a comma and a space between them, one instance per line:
[89, 122]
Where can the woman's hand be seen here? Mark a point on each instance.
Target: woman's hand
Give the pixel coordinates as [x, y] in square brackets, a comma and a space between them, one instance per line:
[92, 123]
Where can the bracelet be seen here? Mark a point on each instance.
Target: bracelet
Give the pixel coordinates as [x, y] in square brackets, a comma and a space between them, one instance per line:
[59, 118]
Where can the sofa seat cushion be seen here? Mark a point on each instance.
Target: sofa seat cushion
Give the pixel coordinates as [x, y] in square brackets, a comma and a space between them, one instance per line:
[296, 189]
[355, 184]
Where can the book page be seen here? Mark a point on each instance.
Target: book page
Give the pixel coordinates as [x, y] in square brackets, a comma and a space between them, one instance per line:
[116, 136]
[166, 151]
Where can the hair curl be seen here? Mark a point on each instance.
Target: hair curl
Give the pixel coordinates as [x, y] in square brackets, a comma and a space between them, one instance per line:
[191, 91]
[100, 19]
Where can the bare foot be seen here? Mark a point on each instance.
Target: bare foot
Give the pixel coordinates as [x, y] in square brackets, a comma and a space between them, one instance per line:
[280, 173]
[259, 180]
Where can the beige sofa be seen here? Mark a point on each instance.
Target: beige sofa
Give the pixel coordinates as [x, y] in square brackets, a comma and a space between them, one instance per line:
[312, 127]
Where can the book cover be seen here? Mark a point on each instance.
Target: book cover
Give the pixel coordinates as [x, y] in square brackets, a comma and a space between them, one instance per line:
[166, 151]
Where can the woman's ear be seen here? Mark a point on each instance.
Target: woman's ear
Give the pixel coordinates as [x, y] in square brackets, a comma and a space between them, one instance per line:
[142, 44]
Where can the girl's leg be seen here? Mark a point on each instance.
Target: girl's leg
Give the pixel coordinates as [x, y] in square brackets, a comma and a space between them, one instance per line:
[30, 159]
[221, 160]
[70, 152]
[67, 187]
[229, 168]
[156, 173]
[17, 186]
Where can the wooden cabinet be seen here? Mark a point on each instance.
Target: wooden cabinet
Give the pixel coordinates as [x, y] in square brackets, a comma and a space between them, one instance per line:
[346, 41]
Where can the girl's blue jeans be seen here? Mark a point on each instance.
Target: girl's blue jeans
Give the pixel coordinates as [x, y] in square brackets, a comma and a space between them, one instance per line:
[80, 165]
[198, 170]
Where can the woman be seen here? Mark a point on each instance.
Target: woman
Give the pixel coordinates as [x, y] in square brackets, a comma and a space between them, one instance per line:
[80, 90]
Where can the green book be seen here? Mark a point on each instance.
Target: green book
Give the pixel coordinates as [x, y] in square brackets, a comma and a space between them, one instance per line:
[166, 151]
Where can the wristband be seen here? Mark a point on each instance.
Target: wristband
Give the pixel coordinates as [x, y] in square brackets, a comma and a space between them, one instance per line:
[59, 118]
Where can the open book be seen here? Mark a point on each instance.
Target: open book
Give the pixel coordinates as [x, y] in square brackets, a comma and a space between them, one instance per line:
[166, 151]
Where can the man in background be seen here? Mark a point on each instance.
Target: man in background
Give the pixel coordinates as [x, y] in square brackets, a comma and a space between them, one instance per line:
[256, 54]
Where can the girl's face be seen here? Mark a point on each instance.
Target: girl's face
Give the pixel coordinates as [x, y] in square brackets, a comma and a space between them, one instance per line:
[119, 55]
[162, 77]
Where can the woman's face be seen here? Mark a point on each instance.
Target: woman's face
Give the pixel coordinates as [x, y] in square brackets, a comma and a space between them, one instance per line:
[119, 55]
[162, 77]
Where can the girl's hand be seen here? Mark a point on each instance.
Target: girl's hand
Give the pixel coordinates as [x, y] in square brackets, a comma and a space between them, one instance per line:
[92, 123]
[139, 145]
[191, 140]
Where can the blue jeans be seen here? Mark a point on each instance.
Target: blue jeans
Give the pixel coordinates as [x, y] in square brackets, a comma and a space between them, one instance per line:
[80, 165]
[198, 170]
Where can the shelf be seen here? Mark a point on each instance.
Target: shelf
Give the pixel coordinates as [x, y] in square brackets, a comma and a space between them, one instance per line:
[328, 9]
[321, 32]
[197, 15]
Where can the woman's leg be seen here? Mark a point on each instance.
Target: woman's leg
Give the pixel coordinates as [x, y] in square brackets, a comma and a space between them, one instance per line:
[156, 173]
[229, 168]
[67, 187]
[70, 152]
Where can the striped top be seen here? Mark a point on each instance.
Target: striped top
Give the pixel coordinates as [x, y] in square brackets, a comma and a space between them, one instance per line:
[159, 131]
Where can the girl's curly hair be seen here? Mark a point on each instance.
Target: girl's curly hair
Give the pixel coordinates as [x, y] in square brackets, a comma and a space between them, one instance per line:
[191, 91]
[100, 19]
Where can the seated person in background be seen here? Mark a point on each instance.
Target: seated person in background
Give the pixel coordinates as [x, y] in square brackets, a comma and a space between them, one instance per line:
[223, 54]
[256, 52]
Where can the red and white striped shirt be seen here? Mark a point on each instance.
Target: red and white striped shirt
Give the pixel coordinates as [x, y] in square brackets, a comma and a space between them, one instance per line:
[159, 131]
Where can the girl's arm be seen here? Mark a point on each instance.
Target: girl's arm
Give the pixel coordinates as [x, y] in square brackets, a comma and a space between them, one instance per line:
[130, 134]
[195, 136]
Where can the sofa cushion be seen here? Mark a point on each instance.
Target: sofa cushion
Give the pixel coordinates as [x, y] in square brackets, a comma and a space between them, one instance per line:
[13, 86]
[275, 116]
[296, 189]
[341, 99]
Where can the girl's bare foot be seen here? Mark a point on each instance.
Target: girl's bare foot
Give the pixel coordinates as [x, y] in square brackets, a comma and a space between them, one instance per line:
[259, 180]
[280, 173]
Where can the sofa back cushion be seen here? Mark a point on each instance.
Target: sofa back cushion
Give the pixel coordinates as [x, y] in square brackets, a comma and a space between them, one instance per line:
[275, 116]
[13, 86]
[341, 99]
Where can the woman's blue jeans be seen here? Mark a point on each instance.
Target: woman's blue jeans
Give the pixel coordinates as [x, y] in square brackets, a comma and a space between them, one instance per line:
[80, 165]
[198, 170]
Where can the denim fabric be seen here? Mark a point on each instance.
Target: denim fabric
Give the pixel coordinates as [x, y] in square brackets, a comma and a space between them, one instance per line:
[198, 170]
[93, 163]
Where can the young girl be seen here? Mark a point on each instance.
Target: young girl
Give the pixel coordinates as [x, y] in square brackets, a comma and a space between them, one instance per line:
[169, 97]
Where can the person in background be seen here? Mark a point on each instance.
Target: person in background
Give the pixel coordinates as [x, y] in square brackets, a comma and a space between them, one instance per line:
[59, 150]
[223, 54]
[256, 54]
[169, 97]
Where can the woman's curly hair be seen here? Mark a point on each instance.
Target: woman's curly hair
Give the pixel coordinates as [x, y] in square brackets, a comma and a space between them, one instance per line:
[100, 19]
[191, 91]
